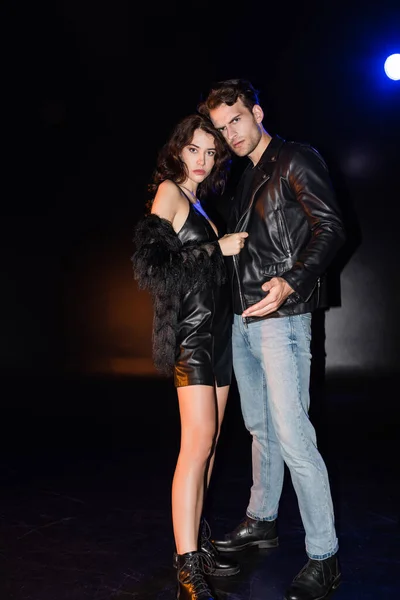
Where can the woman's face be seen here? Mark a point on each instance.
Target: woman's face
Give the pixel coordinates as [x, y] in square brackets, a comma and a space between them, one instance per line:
[199, 156]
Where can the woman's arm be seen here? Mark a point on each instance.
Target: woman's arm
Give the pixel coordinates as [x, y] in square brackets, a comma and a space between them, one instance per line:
[167, 201]
[163, 265]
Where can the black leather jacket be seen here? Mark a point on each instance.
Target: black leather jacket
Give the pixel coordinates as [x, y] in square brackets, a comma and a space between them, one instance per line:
[294, 226]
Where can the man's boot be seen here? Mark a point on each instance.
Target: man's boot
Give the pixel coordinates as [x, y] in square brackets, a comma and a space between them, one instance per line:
[249, 532]
[316, 580]
[192, 583]
[219, 566]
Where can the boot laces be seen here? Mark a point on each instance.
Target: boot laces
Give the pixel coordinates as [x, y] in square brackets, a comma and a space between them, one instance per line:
[205, 530]
[206, 542]
[194, 570]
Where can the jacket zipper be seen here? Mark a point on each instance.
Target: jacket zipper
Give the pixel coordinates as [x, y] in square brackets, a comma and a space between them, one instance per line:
[283, 232]
[235, 257]
[316, 285]
[285, 243]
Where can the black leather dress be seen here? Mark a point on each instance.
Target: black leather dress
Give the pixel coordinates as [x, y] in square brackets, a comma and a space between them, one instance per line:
[204, 350]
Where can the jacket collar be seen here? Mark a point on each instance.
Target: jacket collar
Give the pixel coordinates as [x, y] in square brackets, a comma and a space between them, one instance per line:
[271, 152]
[268, 157]
[264, 166]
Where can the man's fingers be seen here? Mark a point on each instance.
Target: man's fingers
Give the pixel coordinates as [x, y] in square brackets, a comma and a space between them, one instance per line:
[257, 313]
[262, 305]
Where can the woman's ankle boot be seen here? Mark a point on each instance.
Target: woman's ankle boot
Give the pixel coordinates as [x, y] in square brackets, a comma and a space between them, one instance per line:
[192, 582]
[222, 565]
[219, 565]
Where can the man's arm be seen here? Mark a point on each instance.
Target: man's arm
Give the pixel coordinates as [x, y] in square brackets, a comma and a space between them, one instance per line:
[309, 179]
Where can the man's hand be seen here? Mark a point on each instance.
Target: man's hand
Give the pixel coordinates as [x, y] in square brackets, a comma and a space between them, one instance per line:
[277, 290]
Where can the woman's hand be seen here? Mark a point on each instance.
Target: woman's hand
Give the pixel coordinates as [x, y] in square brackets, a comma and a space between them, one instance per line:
[232, 243]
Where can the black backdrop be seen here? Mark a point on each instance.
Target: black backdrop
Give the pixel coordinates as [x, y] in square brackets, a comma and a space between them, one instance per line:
[90, 91]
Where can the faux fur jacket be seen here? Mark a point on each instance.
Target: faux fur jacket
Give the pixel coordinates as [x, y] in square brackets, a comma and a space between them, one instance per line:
[168, 269]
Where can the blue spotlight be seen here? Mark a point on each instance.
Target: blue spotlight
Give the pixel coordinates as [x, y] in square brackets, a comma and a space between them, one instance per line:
[392, 67]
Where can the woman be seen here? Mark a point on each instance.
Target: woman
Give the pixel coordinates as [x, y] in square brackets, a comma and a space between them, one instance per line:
[179, 258]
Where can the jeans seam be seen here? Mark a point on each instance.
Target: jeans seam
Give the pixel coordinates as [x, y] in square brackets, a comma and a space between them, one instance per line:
[263, 519]
[267, 466]
[324, 556]
[306, 441]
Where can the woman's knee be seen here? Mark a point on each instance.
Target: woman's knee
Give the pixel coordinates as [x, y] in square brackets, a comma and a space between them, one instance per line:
[198, 445]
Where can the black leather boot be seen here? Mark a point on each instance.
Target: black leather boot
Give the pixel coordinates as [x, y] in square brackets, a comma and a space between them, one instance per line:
[249, 532]
[222, 566]
[316, 580]
[192, 583]
[219, 566]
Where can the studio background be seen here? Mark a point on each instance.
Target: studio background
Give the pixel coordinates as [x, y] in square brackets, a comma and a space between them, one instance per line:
[90, 94]
[89, 434]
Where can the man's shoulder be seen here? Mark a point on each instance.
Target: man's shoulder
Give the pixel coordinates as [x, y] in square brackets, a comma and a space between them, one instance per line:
[294, 151]
[302, 147]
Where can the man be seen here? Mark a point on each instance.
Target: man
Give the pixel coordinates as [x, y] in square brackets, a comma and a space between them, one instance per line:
[285, 201]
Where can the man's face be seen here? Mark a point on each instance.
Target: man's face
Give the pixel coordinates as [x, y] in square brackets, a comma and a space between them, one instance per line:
[240, 127]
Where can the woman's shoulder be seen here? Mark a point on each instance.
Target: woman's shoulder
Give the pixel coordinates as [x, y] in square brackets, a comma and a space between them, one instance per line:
[168, 200]
[169, 188]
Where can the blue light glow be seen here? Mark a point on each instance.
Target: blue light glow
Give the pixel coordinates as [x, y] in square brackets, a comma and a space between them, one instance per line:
[392, 67]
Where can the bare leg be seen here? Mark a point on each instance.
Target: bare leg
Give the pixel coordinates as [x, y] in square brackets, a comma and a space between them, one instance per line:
[198, 413]
[222, 398]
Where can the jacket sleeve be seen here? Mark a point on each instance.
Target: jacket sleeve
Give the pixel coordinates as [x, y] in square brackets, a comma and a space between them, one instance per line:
[167, 269]
[311, 184]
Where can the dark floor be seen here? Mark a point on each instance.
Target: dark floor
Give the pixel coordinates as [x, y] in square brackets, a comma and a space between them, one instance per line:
[85, 472]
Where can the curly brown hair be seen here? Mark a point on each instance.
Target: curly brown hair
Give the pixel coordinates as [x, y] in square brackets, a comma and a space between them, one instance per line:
[170, 165]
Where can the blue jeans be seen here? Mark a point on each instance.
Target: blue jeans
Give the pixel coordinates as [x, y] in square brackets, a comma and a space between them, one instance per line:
[272, 360]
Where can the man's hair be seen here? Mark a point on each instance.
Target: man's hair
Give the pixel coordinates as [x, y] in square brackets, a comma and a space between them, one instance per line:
[228, 92]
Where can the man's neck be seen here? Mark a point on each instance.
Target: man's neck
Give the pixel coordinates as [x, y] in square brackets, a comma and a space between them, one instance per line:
[260, 148]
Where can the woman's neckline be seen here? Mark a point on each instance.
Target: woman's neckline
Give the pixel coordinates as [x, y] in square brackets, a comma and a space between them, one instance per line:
[197, 206]
[195, 199]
